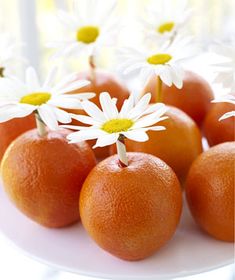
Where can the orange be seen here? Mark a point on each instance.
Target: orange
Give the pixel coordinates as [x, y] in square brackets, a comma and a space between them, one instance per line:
[103, 82]
[43, 176]
[10, 130]
[131, 212]
[194, 98]
[178, 145]
[217, 131]
[210, 191]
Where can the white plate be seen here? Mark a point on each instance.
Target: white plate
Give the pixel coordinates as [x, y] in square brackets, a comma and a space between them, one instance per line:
[189, 252]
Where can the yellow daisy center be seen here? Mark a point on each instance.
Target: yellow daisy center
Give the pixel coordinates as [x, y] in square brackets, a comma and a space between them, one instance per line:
[161, 58]
[166, 27]
[88, 34]
[117, 125]
[36, 98]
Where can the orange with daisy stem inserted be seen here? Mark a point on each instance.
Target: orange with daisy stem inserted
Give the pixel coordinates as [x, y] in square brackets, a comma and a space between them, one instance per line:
[88, 36]
[133, 211]
[194, 98]
[126, 198]
[41, 173]
[102, 82]
[164, 23]
[181, 143]
[11, 129]
[43, 176]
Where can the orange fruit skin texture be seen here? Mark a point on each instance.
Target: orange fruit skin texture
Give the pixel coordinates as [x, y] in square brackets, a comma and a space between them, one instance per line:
[210, 191]
[178, 145]
[194, 98]
[43, 176]
[103, 83]
[217, 131]
[131, 212]
[10, 130]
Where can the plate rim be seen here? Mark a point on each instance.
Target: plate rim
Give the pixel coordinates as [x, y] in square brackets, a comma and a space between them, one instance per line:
[51, 264]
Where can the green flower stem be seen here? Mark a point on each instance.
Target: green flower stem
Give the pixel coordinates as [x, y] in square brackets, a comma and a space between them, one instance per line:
[92, 67]
[159, 90]
[2, 72]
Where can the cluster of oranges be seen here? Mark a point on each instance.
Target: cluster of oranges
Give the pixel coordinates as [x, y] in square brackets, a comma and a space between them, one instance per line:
[132, 211]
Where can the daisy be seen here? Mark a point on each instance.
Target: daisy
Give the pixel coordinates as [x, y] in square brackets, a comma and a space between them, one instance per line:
[8, 54]
[19, 99]
[166, 62]
[164, 20]
[225, 70]
[111, 126]
[89, 28]
[229, 98]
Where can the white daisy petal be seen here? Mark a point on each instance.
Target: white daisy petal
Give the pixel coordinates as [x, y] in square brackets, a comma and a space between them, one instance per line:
[227, 98]
[74, 127]
[48, 116]
[137, 135]
[81, 96]
[65, 81]
[114, 100]
[106, 140]
[227, 115]
[141, 106]
[70, 88]
[108, 106]
[67, 20]
[92, 110]
[72, 48]
[61, 51]
[62, 116]
[85, 135]
[145, 74]
[9, 57]
[133, 67]
[166, 76]
[160, 107]
[32, 80]
[68, 84]
[50, 77]
[157, 128]
[107, 9]
[65, 102]
[9, 112]
[153, 117]
[146, 121]
[85, 119]
[177, 76]
[127, 106]
[225, 66]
